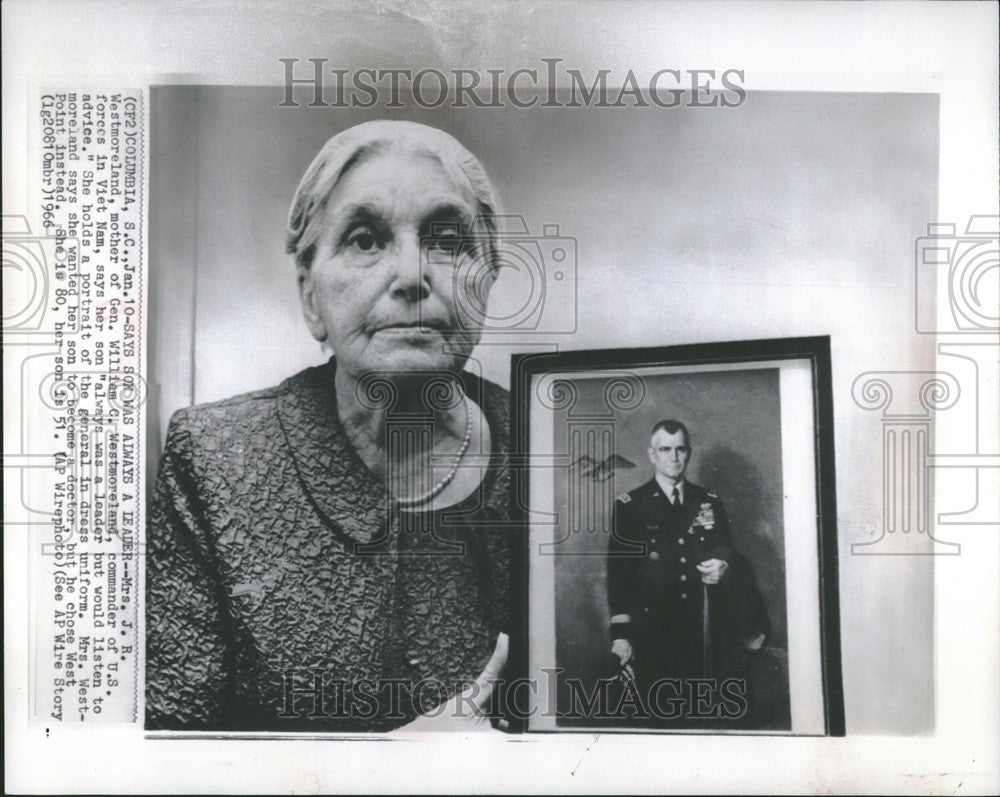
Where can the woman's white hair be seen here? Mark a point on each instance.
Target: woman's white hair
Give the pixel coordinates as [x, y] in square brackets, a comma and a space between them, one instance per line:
[350, 146]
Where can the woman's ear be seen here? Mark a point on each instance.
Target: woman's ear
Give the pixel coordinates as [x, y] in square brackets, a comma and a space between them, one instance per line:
[310, 304]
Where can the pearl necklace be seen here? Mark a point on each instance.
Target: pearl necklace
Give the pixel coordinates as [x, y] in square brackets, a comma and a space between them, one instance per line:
[446, 480]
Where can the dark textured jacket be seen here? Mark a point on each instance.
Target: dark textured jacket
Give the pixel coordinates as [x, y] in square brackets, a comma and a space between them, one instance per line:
[280, 593]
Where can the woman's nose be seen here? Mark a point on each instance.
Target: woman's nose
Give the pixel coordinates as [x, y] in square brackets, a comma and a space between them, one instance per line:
[409, 272]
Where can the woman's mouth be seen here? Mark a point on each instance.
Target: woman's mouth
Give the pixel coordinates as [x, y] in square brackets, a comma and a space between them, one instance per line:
[423, 327]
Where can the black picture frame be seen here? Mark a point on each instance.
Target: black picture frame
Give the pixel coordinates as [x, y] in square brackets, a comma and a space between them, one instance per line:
[525, 368]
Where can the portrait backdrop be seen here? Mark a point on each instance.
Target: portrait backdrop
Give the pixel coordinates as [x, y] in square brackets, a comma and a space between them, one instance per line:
[791, 215]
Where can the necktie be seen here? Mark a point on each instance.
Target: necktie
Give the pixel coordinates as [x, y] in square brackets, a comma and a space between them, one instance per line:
[676, 497]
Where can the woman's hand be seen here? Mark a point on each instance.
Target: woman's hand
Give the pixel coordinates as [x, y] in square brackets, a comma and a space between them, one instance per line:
[468, 711]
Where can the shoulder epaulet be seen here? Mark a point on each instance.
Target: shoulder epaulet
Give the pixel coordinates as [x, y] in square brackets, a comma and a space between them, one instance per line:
[624, 498]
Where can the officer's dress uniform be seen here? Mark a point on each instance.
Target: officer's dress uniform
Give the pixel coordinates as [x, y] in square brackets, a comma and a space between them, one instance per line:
[678, 626]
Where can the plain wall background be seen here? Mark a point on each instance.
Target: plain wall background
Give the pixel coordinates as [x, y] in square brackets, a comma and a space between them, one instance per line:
[792, 215]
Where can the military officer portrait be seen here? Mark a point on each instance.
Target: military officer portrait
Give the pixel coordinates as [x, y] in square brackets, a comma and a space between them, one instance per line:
[684, 603]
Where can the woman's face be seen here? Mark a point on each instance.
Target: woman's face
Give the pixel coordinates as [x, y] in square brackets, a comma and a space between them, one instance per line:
[390, 287]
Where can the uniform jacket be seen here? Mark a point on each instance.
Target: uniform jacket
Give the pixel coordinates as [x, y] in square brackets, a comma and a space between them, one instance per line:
[274, 554]
[653, 578]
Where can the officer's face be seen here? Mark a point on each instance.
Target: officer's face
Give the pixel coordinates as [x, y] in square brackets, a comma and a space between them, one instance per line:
[669, 454]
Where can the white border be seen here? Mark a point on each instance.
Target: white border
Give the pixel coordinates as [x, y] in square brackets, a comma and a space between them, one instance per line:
[946, 48]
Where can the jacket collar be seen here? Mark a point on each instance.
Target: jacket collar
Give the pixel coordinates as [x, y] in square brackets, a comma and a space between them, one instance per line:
[341, 487]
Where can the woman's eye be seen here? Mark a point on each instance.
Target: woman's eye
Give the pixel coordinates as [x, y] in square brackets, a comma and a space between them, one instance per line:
[444, 236]
[446, 243]
[364, 240]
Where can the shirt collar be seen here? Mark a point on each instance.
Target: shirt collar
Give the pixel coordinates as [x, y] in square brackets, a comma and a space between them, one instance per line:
[668, 488]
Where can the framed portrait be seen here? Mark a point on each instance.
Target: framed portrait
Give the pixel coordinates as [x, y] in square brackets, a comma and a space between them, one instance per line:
[680, 526]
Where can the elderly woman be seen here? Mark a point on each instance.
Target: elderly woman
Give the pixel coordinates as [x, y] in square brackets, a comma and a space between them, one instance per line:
[330, 553]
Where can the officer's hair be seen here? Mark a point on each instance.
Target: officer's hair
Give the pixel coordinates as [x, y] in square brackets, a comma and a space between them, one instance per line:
[673, 427]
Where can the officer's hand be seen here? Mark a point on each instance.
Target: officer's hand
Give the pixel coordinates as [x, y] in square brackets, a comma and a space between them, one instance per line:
[622, 648]
[468, 711]
[712, 570]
